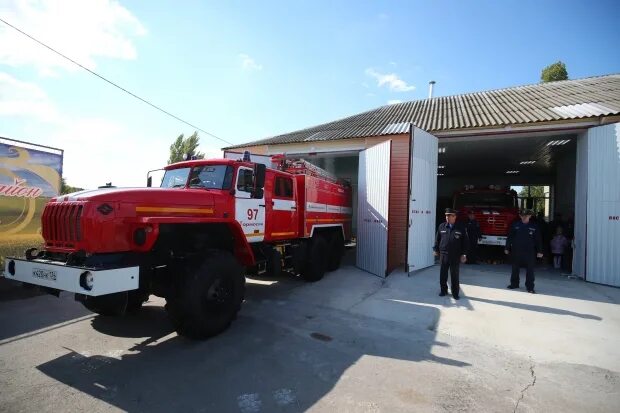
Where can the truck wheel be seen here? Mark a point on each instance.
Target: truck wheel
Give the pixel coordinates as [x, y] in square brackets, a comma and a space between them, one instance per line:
[336, 251]
[314, 267]
[274, 263]
[207, 297]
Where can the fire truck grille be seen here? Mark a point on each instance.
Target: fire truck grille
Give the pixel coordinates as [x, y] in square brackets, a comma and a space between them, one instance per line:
[62, 224]
[493, 222]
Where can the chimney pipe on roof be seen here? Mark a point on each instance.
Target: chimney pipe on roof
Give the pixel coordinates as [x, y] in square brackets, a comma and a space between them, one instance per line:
[430, 88]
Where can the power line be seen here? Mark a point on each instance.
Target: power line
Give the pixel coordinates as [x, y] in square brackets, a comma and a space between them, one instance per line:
[114, 84]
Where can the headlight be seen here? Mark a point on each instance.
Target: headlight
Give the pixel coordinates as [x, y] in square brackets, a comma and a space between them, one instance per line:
[87, 280]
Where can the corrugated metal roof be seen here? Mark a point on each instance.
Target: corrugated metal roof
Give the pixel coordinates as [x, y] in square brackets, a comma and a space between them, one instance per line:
[544, 102]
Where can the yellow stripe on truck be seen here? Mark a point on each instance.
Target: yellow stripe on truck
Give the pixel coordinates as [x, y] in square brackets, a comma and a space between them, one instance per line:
[169, 209]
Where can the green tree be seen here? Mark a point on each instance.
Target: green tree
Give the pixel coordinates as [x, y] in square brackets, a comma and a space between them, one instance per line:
[67, 189]
[183, 146]
[553, 72]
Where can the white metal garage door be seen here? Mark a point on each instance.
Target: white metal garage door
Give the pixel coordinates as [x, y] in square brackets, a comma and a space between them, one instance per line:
[603, 204]
[422, 199]
[372, 209]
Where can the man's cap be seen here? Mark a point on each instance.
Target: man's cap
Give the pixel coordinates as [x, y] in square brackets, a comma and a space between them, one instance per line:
[526, 212]
[450, 211]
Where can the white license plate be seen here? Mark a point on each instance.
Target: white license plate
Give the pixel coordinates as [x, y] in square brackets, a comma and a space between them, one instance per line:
[44, 274]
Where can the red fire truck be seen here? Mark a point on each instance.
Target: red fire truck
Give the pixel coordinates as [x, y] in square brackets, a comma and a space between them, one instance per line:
[192, 239]
[495, 208]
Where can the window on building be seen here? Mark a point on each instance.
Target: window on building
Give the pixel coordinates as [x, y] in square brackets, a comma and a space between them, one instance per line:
[284, 187]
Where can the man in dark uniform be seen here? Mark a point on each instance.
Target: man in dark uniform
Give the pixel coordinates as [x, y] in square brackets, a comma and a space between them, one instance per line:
[524, 242]
[451, 245]
[474, 233]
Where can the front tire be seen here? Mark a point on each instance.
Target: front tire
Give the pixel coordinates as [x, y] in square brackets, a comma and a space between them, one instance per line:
[208, 296]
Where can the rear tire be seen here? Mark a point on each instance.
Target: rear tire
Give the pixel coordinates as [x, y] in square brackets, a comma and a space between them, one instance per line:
[315, 264]
[336, 251]
[208, 296]
[274, 263]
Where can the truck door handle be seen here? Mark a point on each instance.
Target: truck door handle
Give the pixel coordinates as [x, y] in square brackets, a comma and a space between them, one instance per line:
[261, 205]
[293, 207]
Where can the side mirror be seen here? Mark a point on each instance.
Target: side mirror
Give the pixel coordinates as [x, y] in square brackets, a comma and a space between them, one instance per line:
[259, 176]
[149, 181]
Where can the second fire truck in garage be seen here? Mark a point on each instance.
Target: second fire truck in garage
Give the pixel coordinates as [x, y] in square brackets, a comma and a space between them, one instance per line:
[495, 208]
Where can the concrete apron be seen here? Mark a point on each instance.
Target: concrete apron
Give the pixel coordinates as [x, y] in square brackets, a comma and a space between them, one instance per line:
[565, 321]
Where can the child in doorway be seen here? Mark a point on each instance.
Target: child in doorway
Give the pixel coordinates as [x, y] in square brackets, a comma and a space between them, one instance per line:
[558, 247]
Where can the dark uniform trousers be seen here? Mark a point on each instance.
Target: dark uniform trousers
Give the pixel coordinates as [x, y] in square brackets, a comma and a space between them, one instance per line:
[452, 264]
[523, 260]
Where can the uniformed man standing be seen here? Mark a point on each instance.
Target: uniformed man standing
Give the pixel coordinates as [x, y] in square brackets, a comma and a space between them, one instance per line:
[474, 233]
[524, 242]
[451, 245]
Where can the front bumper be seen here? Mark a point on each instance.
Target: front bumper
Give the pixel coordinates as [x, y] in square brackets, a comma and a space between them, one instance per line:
[493, 240]
[58, 276]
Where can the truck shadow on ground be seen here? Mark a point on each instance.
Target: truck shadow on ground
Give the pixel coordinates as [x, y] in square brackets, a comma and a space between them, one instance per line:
[273, 358]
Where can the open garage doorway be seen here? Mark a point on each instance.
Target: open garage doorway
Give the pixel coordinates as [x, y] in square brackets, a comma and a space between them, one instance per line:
[344, 166]
[508, 172]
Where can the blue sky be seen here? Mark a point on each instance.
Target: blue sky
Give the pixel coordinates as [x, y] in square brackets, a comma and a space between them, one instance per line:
[247, 70]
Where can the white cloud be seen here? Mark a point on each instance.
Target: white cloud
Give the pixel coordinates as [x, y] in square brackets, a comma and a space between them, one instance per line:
[393, 64]
[23, 99]
[390, 80]
[248, 63]
[83, 30]
[394, 101]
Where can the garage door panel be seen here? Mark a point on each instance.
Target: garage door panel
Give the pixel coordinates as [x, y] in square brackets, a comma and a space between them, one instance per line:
[423, 199]
[373, 207]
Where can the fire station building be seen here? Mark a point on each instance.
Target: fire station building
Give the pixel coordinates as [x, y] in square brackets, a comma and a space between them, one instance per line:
[405, 161]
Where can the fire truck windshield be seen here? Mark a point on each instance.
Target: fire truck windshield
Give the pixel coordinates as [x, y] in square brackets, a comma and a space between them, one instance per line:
[204, 176]
[175, 178]
[211, 177]
[482, 199]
